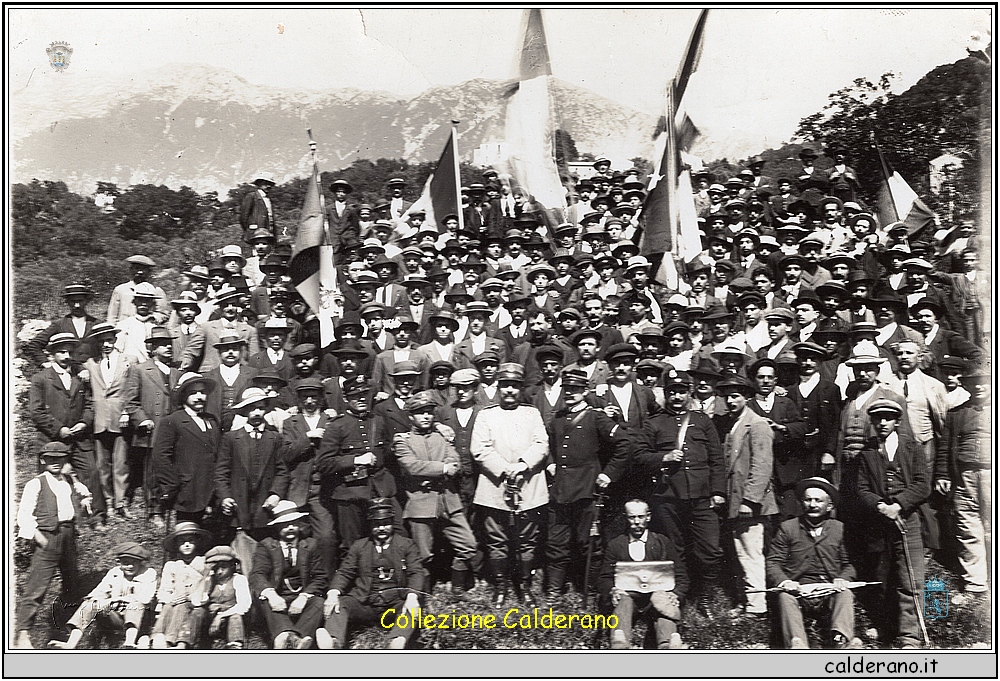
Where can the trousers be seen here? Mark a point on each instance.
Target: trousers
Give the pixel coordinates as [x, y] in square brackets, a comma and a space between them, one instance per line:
[116, 616]
[59, 554]
[233, 628]
[304, 624]
[665, 615]
[898, 595]
[355, 613]
[568, 524]
[748, 540]
[835, 612]
[973, 510]
[456, 530]
[523, 534]
[693, 525]
[111, 450]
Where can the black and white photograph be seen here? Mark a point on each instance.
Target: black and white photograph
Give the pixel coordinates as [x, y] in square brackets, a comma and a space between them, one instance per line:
[494, 329]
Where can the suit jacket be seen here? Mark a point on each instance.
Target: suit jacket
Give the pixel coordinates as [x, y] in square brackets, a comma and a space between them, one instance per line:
[642, 406]
[253, 211]
[871, 485]
[108, 398]
[299, 453]
[262, 360]
[385, 365]
[525, 355]
[235, 477]
[905, 333]
[463, 355]
[52, 408]
[391, 295]
[600, 376]
[793, 551]
[344, 230]
[950, 343]
[355, 576]
[421, 458]
[35, 349]
[122, 303]
[926, 404]
[821, 414]
[184, 458]
[180, 342]
[658, 547]
[791, 461]
[269, 566]
[148, 398]
[747, 444]
[201, 354]
[509, 340]
[396, 419]
[213, 403]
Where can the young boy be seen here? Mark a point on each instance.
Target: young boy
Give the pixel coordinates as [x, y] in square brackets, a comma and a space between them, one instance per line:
[49, 507]
[120, 600]
[225, 598]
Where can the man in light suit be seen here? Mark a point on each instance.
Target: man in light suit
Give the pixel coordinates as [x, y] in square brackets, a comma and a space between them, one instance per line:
[397, 206]
[186, 310]
[121, 305]
[108, 377]
[747, 445]
[201, 353]
[147, 402]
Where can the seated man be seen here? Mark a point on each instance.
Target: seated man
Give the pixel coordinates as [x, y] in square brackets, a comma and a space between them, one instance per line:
[808, 550]
[639, 544]
[119, 601]
[384, 573]
[288, 578]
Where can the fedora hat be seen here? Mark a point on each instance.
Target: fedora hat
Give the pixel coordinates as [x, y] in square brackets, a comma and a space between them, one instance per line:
[145, 290]
[286, 511]
[187, 383]
[229, 338]
[251, 396]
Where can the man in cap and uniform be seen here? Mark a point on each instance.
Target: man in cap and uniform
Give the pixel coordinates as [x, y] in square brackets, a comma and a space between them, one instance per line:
[748, 447]
[51, 502]
[255, 208]
[289, 578]
[431, 470]
[147, 402]
[806, 550]
[590, 451]
[202, 352]
[381, 577]
[184, 451]
[345, 232]
[892, 483]
[352, 459]
[681, 449]
[510, 444]
[77, 322]
[121, 305]
[108, 378]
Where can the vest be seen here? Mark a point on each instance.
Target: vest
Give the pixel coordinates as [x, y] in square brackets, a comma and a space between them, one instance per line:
[47, 508]
[894, 483]
[223, 595]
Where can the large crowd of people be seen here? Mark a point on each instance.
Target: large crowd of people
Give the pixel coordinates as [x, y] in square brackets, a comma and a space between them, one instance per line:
[509, 402]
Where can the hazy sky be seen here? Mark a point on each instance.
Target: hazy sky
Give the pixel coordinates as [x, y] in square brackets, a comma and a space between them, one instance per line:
[771, 66]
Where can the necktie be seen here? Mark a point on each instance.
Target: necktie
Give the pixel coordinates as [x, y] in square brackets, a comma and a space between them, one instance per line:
[906, 388]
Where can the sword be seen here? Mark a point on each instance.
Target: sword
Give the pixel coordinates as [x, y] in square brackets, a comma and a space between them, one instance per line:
[913, 584]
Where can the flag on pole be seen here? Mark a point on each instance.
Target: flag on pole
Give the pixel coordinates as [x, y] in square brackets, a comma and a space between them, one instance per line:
[442, 194]
[311, 269]
[668, 226]
[529, 132]
[897, 202]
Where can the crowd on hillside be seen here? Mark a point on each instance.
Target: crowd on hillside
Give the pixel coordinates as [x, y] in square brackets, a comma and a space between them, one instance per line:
[797, 428]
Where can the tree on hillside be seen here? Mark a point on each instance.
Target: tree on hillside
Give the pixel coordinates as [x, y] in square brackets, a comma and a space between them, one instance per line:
[149, 210]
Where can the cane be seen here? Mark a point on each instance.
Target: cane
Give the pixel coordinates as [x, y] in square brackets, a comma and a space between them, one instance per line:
[913, 584]
[595, 531]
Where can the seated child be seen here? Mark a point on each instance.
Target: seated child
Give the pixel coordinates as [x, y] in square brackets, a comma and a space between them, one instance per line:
[181, 578]
[120, 600]
[224, 597]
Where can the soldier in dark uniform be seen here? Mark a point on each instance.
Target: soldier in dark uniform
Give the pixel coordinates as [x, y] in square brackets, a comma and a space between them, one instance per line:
[351, 462]
[682, 448]
[589, 450]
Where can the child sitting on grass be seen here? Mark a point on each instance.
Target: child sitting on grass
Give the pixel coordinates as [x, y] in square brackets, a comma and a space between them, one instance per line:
[224, 597]
[181, 578]
[119, 601]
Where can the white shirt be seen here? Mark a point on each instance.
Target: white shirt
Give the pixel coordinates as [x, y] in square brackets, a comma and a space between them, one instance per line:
[489, 390]
[63, 375]
[478, 344]
[767, 403]
[199, 421]
[775, 350]
[860, 400]
[637, 547]
[553, 392]
[80, 325]
[464, 414]
[518, 330]
[807, 331]
[417, 312]
[932, 334]
[807, 386]
[313, 421]
[400, 354]
[396, 207]
[624, 396]
[229, 374]
[275, 357]
[267, 204]
[891, 446]
[164, 369]
[443, 351]
[885, 333]
[109, 365]
[26, 521]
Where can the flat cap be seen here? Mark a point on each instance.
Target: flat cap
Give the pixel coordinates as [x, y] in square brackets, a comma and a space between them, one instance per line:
[131, 549]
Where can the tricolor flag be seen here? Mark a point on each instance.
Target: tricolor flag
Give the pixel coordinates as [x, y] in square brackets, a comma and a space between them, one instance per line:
[311, 269]
[671, 226]
[529, 132]
[442, 191]
[897, 202]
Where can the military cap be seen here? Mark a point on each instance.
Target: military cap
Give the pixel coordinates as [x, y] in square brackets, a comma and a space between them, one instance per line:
[357, 386]
[465, 377]
[510, 372]
[419, 402]
[673, 377]
[487, 356]
[574, 377]
[381, 509]
[131, 549]
[884, 406]
[736, 384]
[54, 450]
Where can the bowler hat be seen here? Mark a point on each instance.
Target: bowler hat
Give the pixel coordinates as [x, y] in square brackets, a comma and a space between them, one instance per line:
[819, 483]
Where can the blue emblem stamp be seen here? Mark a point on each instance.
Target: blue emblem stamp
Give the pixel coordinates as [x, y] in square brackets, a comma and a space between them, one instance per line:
[59, 53]
[935, 598]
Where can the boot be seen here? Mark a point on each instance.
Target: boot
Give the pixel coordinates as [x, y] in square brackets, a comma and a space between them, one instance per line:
[557, 580]
[528, 595]
[459, 581]
[501, 592]
[705, 595]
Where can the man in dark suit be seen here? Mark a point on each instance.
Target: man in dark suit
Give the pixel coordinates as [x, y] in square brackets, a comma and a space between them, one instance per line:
[301, 434]
[77, 322]
[62, 411]
[892, 483]
[540, 335]
[639, 544]
[806, 550]
[342, 218]
[251, 474]
[274, 356]
[256, 211]
[184, 451]
[927, 316]
[229, 379]
[289, 578]
[818, 402]
[547, 396]
[381, 574]
[791, 462]
[477, 341]
[147, 402]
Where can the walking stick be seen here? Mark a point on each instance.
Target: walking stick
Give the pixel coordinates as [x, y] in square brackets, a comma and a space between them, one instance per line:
[595, 531]
[913, 585]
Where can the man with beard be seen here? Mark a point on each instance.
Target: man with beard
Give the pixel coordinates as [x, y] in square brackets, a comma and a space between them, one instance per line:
[510, 444]
[681, 448]
[540, 334]
[587, 344]
[184, 451]
[810, 549]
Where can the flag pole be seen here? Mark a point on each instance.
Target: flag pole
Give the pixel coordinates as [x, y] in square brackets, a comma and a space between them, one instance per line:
[458, 176]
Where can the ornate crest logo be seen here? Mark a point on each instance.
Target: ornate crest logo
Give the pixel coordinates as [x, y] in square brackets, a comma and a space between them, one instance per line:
[935, 598]
[59, 53]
